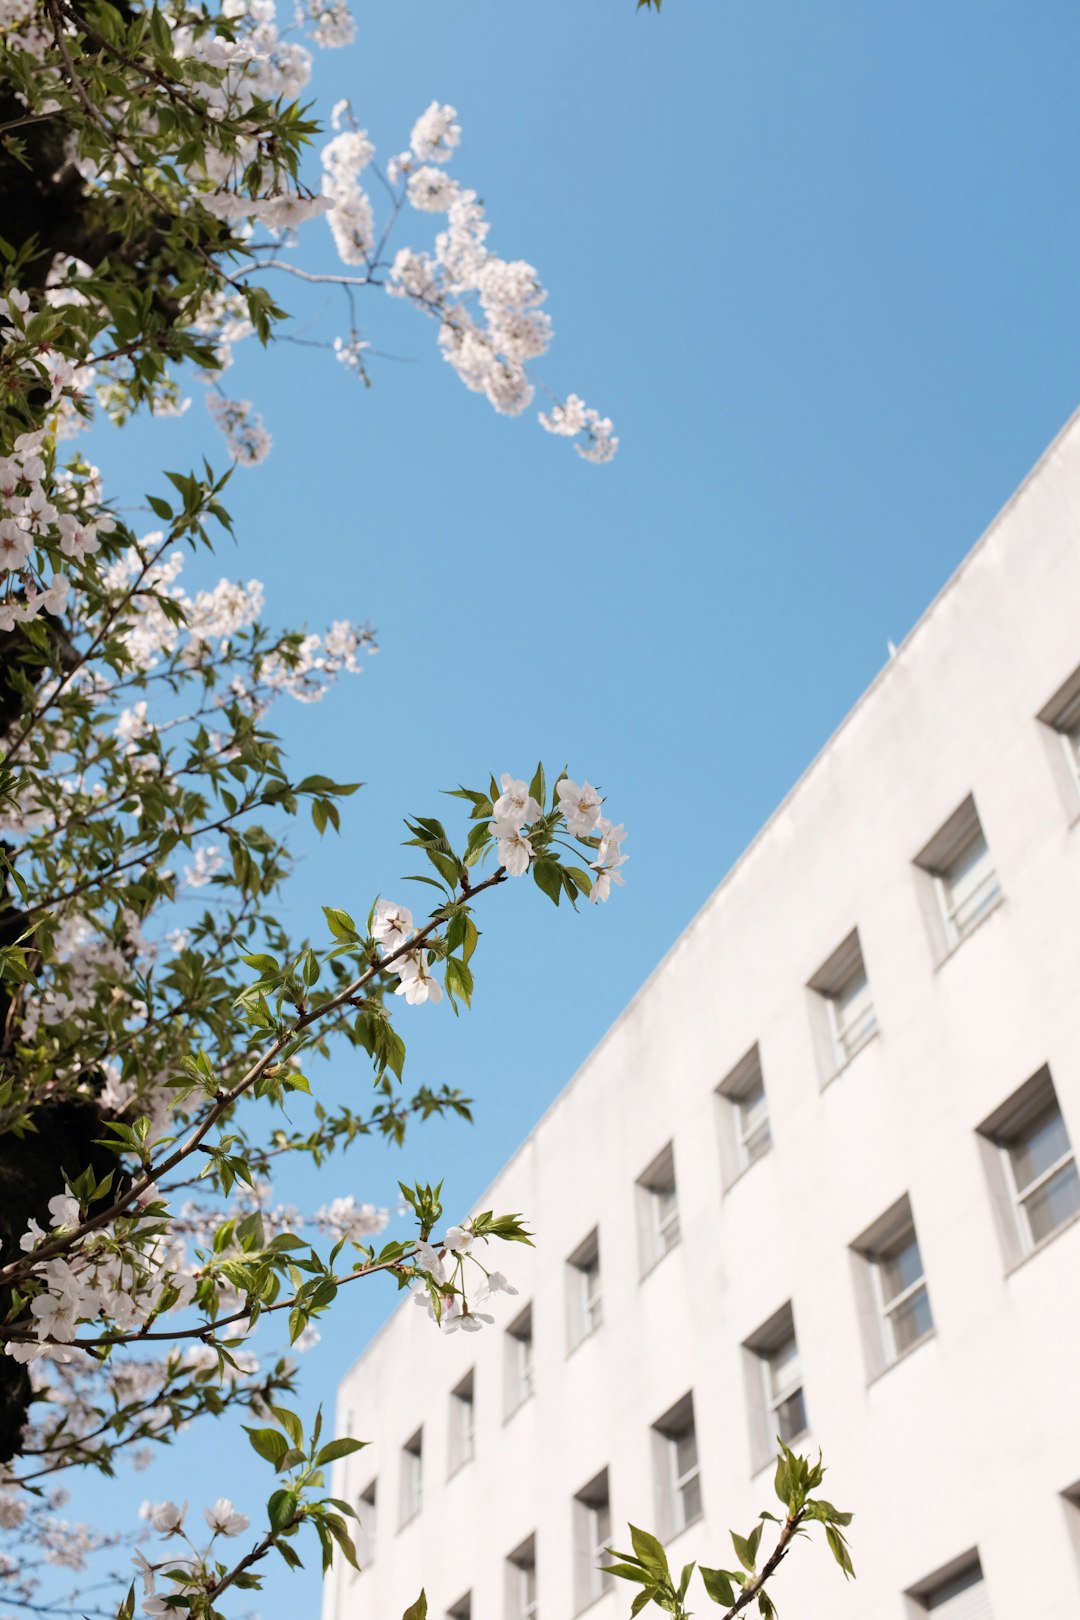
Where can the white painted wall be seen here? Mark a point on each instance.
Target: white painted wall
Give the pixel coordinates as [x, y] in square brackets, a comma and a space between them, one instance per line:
[971, 1439]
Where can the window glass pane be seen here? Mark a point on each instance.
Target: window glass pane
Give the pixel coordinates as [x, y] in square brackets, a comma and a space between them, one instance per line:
[971, 884]
[853, 1008]
[901, 1267]
[1052, 1204]
[752, 1108]
[690, 1497]
[911, 1321]
[1038, 1145]
[790, 1417]
[685, 1453]
[784, 1370]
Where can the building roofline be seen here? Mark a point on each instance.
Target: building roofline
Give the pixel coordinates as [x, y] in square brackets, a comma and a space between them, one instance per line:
[744, 855]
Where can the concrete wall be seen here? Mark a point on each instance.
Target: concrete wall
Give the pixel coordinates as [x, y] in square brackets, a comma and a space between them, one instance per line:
[971, 1439]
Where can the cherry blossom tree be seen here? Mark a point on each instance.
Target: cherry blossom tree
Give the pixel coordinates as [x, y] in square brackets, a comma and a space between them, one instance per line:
[150, 163]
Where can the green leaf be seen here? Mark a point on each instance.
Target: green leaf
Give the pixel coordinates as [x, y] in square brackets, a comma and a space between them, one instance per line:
[281, 1508]
[417, 1610]
[650, 1551]
[338, 1448]
[548, 877]
[718, 1585]
[536, 786]
[838, 1547]
[341, 924]
[745, 1549]
[268, 1443]
[459, 979]
[290, 1423]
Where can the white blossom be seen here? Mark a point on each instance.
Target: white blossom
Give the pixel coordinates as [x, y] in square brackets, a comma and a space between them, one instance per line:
[515, 804]
[224, 1520]
[579, 805]
[391, 925]
[514, 849]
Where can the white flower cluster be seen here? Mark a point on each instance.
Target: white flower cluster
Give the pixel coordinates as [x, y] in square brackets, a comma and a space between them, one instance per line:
[118, 1278]
[442, 1290]
[185, 1573]
[391, 927]
[345, 1218]
[490, 321]
[515, 809]
[351, 216]
[211, 619]
[27, 519]
[247, 438]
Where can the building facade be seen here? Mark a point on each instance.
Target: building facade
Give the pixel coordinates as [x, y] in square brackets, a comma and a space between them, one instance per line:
[817, 1180]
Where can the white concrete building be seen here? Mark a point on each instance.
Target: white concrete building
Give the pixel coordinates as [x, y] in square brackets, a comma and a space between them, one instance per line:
[818, 1179]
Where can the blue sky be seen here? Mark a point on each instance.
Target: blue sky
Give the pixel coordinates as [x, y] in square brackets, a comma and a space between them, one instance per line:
[819, 263]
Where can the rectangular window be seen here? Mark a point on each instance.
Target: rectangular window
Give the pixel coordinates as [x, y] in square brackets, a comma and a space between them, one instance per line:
[658, 1209]
[1061, 718]
[412, 1477]
[746, 1134]
[784, 1390]
[1035, 1164]
[678, 1474]
[366, 1526]
[585, 1311]
[521, 1582]
[519, 1360]
[462, 1429]
[899, 1298]
[956, 1593]
[592, 1536]
[842, 991]
[776, 1397]
[958, 864]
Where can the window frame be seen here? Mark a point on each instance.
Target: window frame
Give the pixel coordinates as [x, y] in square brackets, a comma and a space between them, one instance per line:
[759, 1352]
[888, 1307]
[660, 1230]
[584, 1292]
[521, 1584]
[737, 1152]
[367, 1523]
[997, 1136]
[592, 1537]
[840, 1039]
[520, 1373]
[673, 1483]
[412, 1479]
[936, 865]
[1021, 1195]
[462, 1447]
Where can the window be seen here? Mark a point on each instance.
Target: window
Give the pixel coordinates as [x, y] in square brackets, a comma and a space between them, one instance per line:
[678, 1479]
[412, 1477]
[461, 1424]
[956, 1593]
[895, 1291]
[366, 1526]
[1033, 1165]
[658, 1209]
[519, 1360]
[592, 1536]
[585, 1311]
[521, 1582]
[842, 994]
[776, 1398]
[462, 1609]
[960, 870]
[1061, 718]
[745, 1130]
